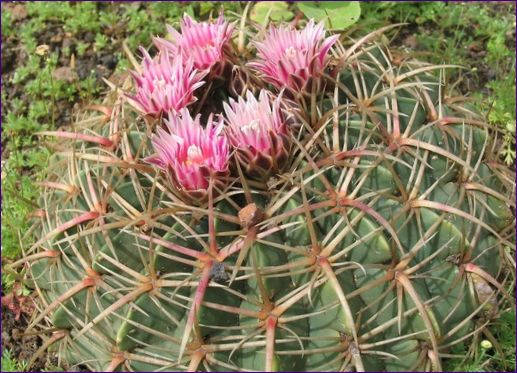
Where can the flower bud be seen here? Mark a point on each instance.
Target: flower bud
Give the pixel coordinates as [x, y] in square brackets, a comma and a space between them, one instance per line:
[290, 58]
[204, 42]
[165, 84]
[190, 155]
[259, 132]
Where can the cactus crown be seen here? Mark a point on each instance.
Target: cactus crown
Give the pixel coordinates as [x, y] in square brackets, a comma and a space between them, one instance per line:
[370, 235]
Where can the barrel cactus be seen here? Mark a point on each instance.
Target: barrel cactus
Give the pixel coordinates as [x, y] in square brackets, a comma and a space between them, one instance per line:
[307, 202]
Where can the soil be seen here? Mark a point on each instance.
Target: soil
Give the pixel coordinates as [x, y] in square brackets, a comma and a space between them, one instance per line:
[55, 39]
[471, 81]
[23, 347]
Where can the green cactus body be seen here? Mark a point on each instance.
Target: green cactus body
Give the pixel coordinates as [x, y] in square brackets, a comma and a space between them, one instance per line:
[374, 246]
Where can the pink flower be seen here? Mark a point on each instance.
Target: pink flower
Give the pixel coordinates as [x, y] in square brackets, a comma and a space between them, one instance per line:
[289, 57]
[165, 85]
[189, 154]
[258, 130]
[203, 42]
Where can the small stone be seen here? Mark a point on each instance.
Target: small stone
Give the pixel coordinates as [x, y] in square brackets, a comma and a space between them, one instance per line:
[42, 50]
[218, 273]
[411, 42]
[58, 38]
[65, 73]
[250, 215]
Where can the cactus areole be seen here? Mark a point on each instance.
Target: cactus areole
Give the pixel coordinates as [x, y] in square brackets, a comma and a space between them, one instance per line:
[339, 209]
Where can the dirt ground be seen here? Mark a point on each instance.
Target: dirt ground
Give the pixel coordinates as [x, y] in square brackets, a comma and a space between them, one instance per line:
[103, 63]
[23, 347]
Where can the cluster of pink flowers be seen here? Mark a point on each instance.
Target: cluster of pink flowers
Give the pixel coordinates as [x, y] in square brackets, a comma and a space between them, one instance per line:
[191, 154]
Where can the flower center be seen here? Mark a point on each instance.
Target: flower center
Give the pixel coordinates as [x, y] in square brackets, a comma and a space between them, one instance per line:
[252, 126]
[160, 82]
[194, 155]
[290, 52]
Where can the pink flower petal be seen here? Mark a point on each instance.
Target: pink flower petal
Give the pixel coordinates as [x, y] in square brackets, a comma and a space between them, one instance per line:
[286, 57]
[188, 152]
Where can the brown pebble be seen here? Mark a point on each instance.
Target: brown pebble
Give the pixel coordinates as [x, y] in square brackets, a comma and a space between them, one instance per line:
[64, 73]
[56, 38]
[250, 215]
[411, 42]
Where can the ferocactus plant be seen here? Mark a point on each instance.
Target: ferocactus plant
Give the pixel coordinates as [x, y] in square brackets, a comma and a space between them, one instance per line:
[345, 211]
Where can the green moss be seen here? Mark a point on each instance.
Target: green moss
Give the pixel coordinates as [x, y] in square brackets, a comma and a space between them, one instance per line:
[10, 364]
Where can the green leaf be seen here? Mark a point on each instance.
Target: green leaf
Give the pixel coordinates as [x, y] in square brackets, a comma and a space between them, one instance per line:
[274, 10]
[338, 15]
[205, 7]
